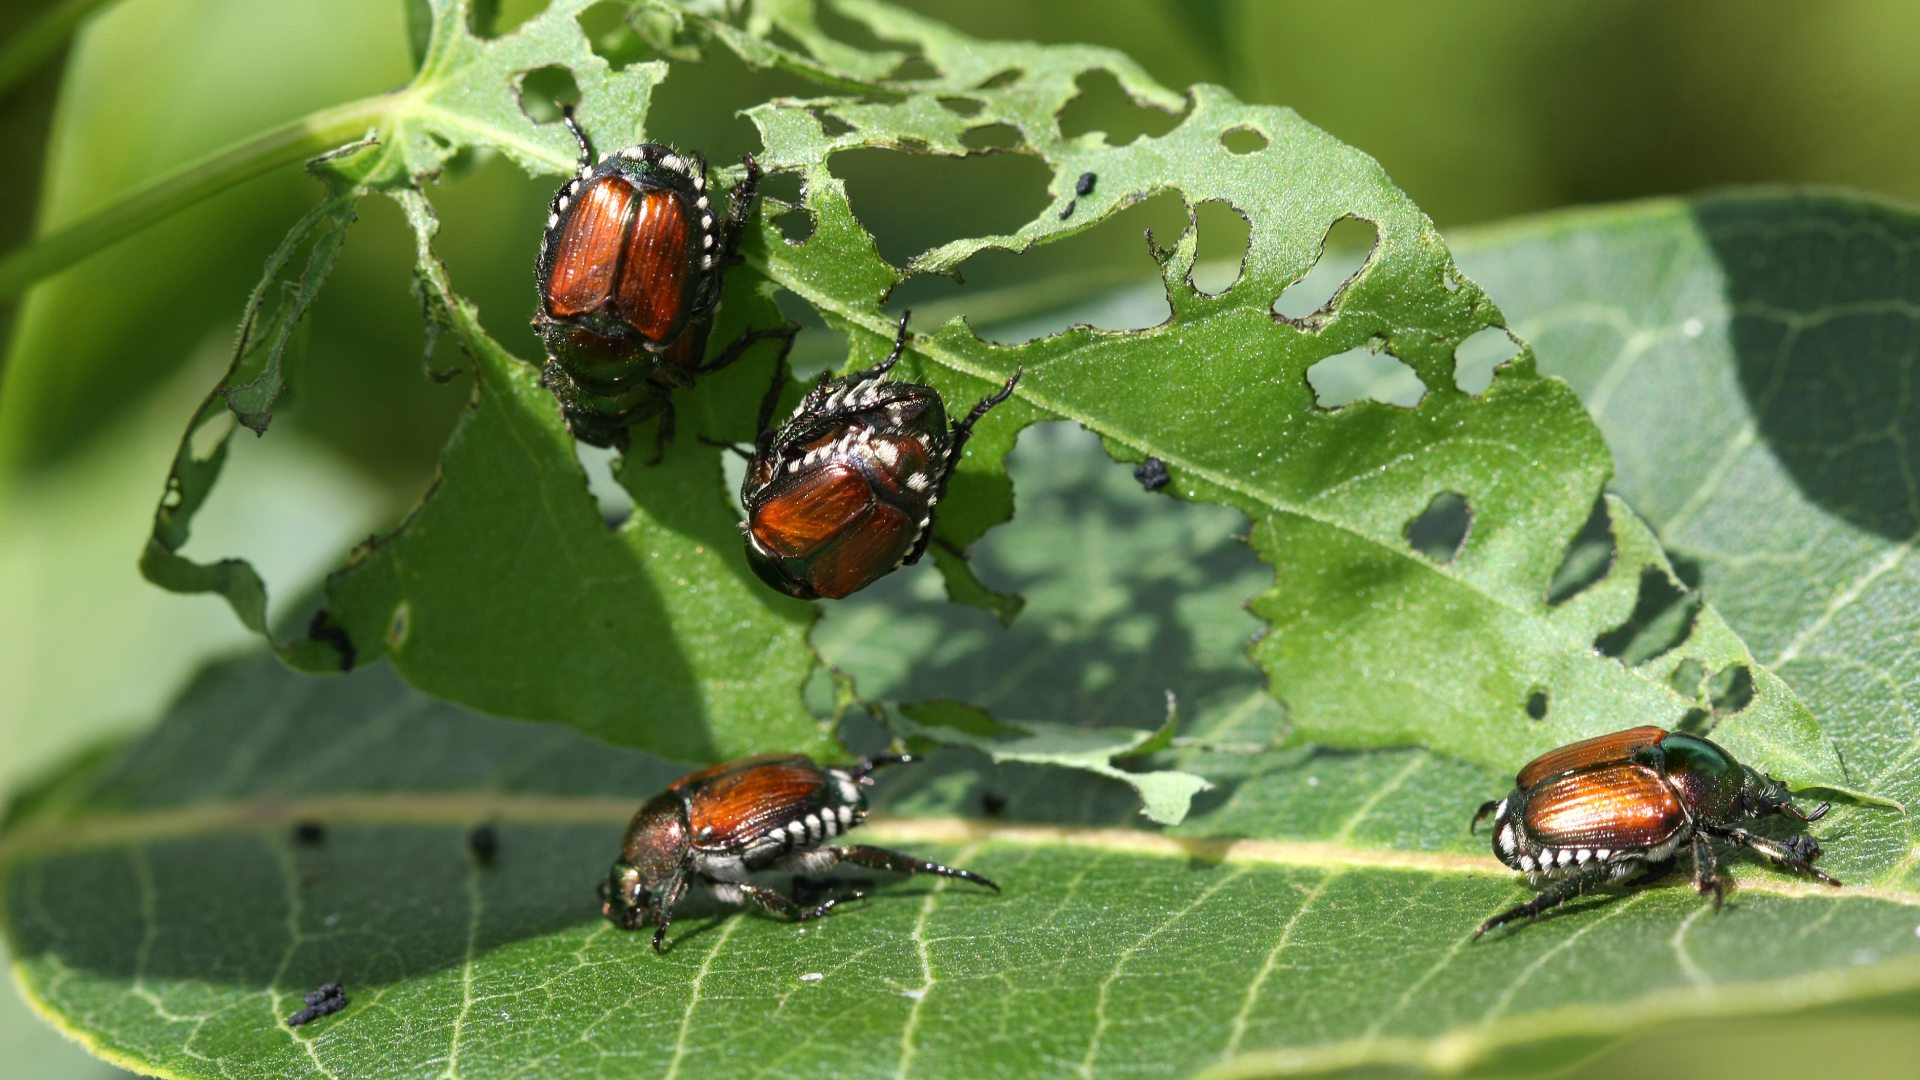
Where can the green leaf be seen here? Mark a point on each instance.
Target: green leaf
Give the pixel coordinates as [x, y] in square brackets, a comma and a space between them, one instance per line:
[652, 631]
[1750, 360]
[503, 590]
[1165, 795]
[1374, 644]
[1311, 914]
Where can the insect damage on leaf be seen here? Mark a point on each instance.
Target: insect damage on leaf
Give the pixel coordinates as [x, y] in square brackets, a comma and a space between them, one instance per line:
[1375, 641]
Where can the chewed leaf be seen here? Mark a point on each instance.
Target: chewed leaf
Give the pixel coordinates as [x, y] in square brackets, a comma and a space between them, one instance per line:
[170, 904]
[1373, 643]
[1165, 794]
[506, 590]
[1752, 332]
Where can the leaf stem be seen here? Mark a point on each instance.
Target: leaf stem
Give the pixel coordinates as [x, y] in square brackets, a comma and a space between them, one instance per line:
[29, 47]
[189, 184]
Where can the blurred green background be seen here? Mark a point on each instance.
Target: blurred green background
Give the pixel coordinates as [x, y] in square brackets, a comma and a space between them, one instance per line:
[1481, 109]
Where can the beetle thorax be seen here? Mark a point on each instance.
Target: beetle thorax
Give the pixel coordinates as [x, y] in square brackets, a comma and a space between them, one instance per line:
[656, 841]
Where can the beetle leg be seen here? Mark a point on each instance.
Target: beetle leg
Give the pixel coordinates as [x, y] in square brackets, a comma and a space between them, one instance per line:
[1795, 853]
[662, 434]
[664, 905]
[807, 890]
[746, 341]
[740, 204]
[780, 905]
[1480, 815]
[770, 401]
[1555, 894]
[1706, 870]
[962, 431]
[882, 859]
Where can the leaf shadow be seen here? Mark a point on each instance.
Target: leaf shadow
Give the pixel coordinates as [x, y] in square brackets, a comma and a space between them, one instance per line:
[1826, 357]
[1129, 596]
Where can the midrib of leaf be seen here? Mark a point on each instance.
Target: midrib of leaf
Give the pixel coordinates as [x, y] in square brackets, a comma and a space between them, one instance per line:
[1259, 498]
[1459, 1046]
[60, 834]
[1463, 1047]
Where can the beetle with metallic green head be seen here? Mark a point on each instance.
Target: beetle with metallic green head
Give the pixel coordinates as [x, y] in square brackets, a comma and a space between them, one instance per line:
[1620, 807]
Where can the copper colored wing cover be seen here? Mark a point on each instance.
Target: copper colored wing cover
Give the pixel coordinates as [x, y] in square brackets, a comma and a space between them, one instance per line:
[1615, 806]
[861, 555]
[655, 274]
[732, 803]
[588, 252]
[1587, 753]
[821, 504]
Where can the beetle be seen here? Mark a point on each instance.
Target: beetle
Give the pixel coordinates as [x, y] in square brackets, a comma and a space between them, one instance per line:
[1623, 806]
[630, 273]
[844, 492]
[716, 826]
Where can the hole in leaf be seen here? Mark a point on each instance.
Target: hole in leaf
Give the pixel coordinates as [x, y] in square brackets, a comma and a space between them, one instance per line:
[615, 504]
[1589, 557]
[977, 196]
[1101, 105]
[1365, 371]
[1441, 529]
[850, 31]
[785, 187]
[700, 109]
[1731, 689]
[1344, 252]
[486, 20]
[1011, 298]
[1695, 722]
[782, 194]
[1243, 140]
[1686, 568]
[795, 225]
[609, 31]
[830, 124]
[1001, 79]
[960, 106]
[1663, 616]
[1475, 359]
[1687, 677]
[1537, 705]
[1222, 253]
[914, 67]
[545, 90]
[988, 137]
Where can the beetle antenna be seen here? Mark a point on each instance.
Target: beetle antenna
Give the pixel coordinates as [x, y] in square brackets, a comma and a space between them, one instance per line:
[864, 771]
[579, 136]
[1817, 813]
[1480, 815]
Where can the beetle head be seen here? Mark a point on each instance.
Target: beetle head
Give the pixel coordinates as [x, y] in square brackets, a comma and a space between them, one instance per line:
[1763, 796]
[651, 860]
[771, 569]
[624, 897]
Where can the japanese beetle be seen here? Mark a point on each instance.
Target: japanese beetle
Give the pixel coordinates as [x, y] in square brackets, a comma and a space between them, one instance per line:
[843, 493]
[716, 826]
[1623, 806]
[630, 272]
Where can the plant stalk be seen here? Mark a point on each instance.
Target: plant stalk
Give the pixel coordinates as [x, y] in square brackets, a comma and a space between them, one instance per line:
[303, 138]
